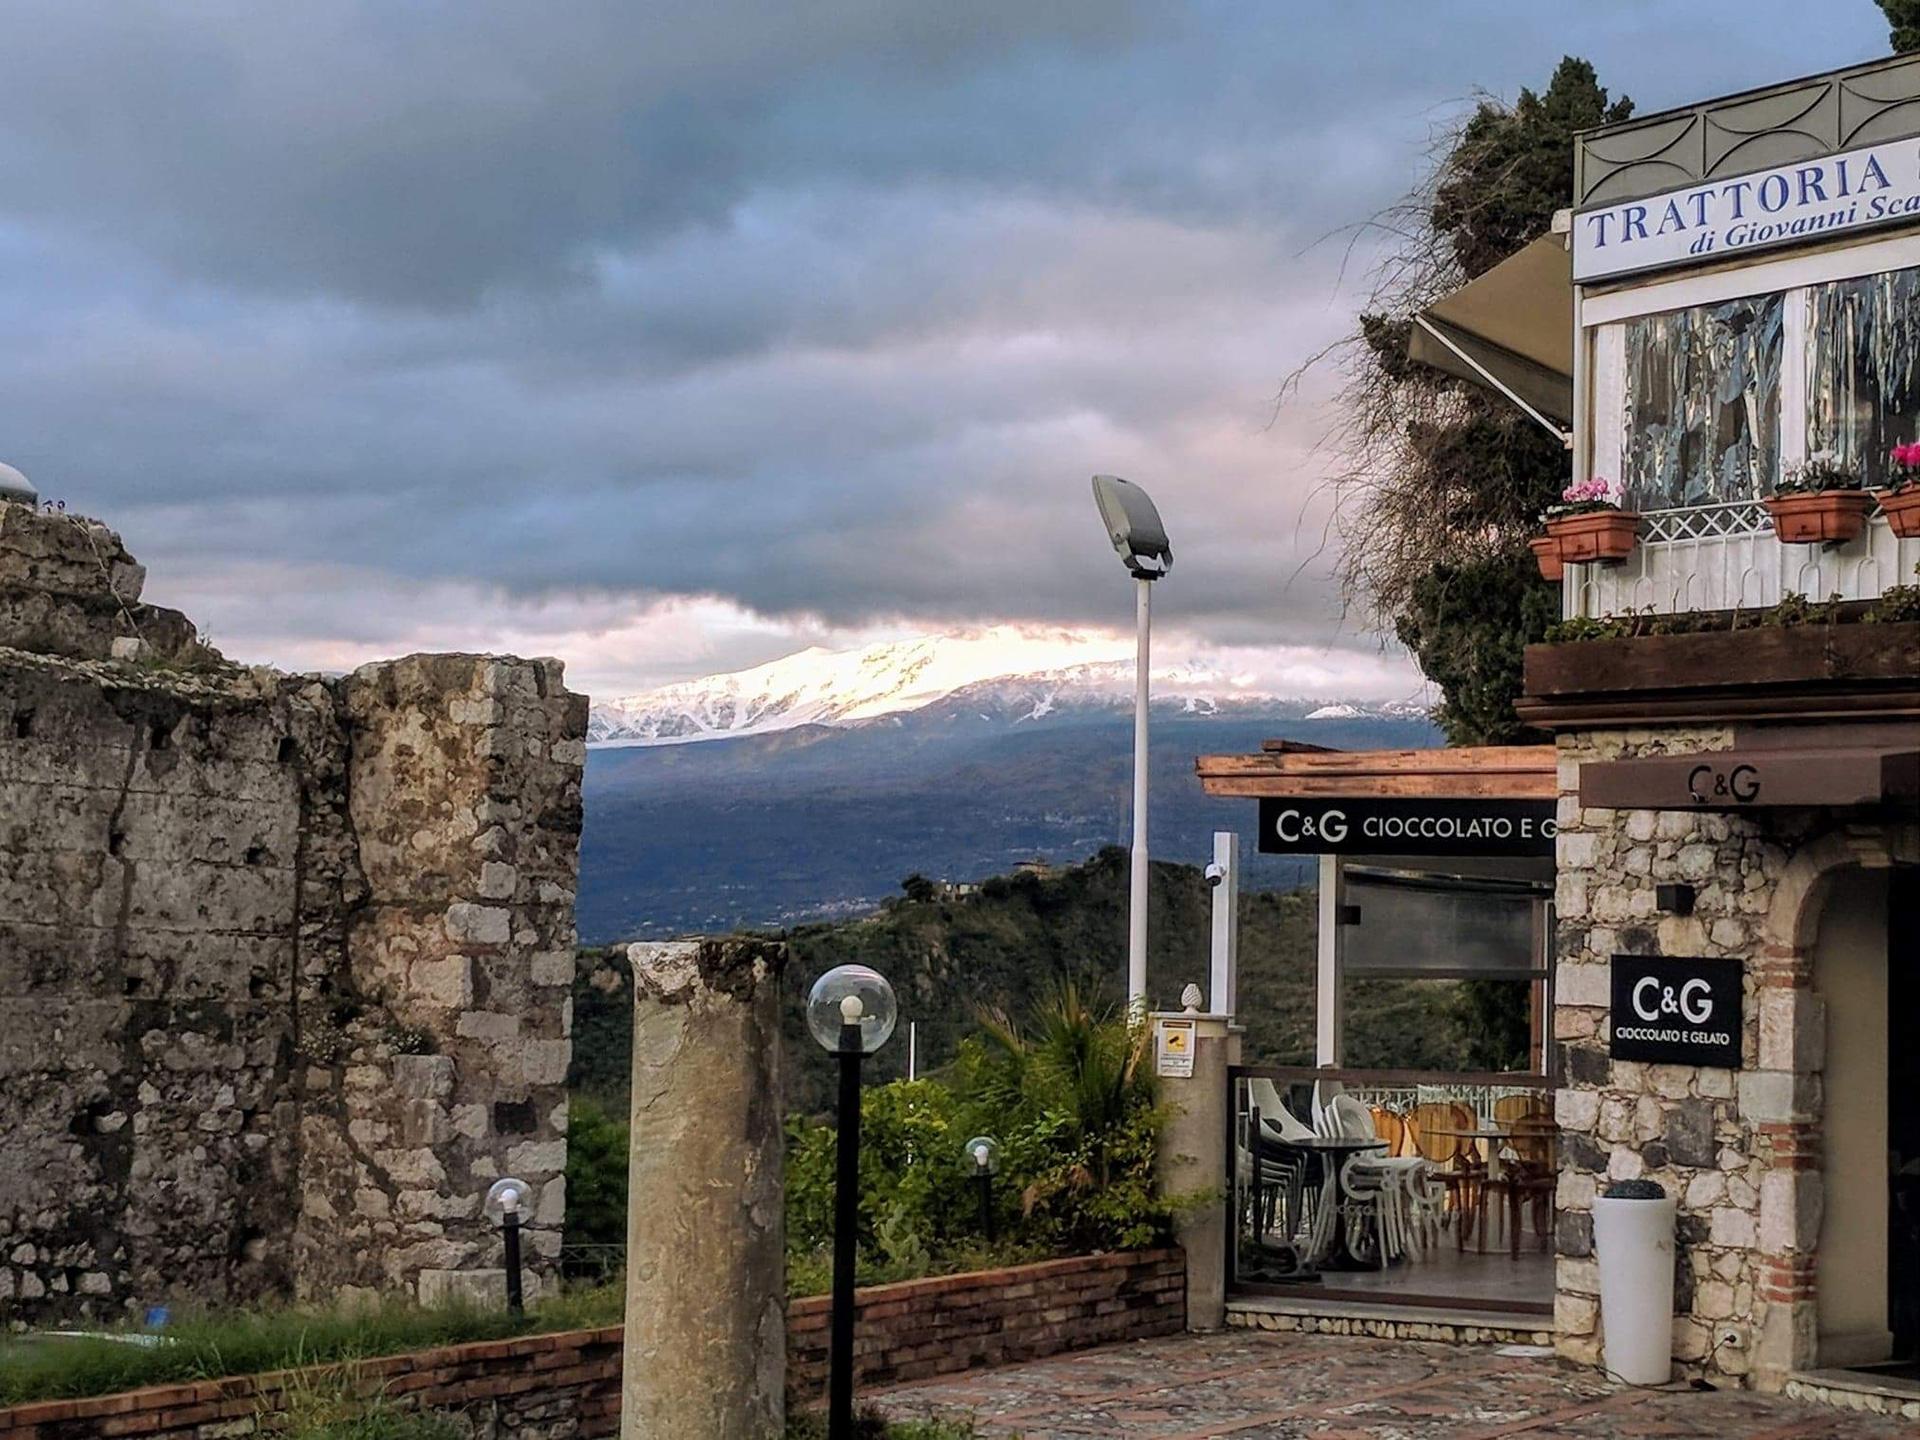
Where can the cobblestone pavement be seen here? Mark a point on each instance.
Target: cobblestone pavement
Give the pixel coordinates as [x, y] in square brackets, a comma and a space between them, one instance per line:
[1311, 1387]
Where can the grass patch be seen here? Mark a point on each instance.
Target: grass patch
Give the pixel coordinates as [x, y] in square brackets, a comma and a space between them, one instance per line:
[208, 1347]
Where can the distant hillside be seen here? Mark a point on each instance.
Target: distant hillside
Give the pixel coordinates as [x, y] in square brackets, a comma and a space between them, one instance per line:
[1003, 943]
[823, 821]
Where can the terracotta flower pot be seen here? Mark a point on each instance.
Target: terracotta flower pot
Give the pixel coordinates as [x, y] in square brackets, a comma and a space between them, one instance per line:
[1598, 535]
[1819, 517]
[1546, 550]
[1902, 509]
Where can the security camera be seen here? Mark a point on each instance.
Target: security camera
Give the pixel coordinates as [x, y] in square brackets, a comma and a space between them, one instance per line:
[1134, 527]
[1216, 874]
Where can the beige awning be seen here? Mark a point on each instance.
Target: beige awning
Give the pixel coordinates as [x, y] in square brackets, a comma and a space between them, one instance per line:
[1511, 331]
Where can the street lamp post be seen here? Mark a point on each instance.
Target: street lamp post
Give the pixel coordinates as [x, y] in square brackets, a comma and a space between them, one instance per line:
[984, 1151]
[503, 1202]
[1133, 525]
[851, 1012]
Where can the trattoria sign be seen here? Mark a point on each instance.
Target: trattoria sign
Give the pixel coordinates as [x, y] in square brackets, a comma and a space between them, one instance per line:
[1676, 1012]
[1792, 204]
[1409, 826]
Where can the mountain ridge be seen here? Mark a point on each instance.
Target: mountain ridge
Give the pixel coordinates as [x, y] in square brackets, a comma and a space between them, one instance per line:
[841, 689]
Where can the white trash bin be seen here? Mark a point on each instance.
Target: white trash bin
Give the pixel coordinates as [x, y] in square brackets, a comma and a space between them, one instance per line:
[1633, 1235]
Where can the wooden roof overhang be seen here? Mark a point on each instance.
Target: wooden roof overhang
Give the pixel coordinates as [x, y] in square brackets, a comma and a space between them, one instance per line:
[1287, 770]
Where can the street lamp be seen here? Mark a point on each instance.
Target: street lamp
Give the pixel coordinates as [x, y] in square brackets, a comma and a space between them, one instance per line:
[851, 1012]
[984, 1152]
[1141, 540]
[504, 1199]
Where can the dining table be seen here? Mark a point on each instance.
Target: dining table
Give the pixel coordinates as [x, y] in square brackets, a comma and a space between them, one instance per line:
[1498, 1151]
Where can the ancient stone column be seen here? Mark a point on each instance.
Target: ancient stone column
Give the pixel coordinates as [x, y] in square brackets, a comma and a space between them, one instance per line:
[706, 1246]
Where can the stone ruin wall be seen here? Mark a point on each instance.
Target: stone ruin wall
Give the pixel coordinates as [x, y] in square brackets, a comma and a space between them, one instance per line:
[1739, 1149]
[285, 962]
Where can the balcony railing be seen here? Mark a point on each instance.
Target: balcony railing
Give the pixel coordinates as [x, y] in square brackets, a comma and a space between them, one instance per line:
[1725, 557]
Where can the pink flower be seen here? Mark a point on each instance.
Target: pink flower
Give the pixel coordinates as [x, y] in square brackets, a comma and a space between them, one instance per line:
[1907, 456]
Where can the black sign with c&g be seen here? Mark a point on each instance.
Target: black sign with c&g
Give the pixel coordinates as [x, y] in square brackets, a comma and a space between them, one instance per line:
[1677, 1011]
[1410, 826]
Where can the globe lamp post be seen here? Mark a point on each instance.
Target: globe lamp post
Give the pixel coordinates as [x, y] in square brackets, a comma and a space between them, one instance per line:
[984, 1152]
[850, 1011]
[503, 1203]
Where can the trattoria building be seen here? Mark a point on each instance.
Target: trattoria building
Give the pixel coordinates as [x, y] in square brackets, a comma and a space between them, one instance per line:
[1732, 985]
[1737, 898]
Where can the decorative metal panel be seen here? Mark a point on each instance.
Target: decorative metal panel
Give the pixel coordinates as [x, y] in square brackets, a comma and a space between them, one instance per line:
[1800, 120]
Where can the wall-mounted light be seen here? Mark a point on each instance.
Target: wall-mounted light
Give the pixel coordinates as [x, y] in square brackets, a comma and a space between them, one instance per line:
[1674, 899]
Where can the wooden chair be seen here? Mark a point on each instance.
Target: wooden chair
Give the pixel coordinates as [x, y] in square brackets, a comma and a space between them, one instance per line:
[1456, 1160]
[1391, 1127]
[1529, 1179]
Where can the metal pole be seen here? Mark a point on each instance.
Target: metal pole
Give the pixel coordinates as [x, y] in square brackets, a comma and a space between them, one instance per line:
[1224, 975]
[913, 1050]
[510, 1231]
[1137, 894]
[846, 1221]
[984, 1179]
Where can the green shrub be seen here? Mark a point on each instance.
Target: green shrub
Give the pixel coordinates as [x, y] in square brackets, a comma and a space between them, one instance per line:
[1071, 1099]
[596, 1174]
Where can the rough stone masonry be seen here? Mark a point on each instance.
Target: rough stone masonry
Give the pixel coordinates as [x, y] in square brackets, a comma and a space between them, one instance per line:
[285, 961]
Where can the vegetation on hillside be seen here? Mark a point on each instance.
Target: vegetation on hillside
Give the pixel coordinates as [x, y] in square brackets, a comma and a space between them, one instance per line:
[1015, 988]
[1016, 938]
[1904, 17]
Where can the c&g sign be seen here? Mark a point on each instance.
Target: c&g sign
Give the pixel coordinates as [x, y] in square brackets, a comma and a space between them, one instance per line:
[1406, 827]
[1677, 1012]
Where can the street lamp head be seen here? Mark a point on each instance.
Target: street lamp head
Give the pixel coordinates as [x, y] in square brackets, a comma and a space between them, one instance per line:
[1134, 527]
[506, 1196]
[851, 995]
[983, 1152]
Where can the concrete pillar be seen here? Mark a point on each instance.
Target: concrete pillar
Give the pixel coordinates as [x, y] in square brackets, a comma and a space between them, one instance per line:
[705, 1354]
[1194, 1156]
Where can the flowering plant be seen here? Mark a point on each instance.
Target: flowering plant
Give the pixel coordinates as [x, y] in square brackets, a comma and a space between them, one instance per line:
[1906, 467]
[1583, 497]
[1822, 470]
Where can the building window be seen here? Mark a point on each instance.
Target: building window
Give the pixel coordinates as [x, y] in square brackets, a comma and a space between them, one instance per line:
[1863, 368]
[1702, 393]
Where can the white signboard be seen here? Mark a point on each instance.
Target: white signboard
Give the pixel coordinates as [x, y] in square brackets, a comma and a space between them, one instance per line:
[1791, 205]
[1173, 1048]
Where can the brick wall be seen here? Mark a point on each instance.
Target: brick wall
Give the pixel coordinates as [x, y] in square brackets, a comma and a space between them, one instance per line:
[567, 1386]
[991, 1317]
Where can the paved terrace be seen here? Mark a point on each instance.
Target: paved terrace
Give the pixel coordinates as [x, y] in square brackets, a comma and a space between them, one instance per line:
[1308, 1387]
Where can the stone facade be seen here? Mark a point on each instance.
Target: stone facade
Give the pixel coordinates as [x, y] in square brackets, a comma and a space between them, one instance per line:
[1739, 1149]
[281, 957]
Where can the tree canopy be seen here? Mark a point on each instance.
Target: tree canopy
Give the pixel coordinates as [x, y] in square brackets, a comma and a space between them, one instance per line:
[1904, 16]
[1440, 485]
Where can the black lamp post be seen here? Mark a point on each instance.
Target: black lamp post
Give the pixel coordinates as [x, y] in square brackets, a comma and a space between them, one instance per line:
[984, 1152]
[504, 1199]
[851, 1012]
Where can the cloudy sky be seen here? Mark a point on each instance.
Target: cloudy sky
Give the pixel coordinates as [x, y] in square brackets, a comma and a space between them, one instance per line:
[671, 338]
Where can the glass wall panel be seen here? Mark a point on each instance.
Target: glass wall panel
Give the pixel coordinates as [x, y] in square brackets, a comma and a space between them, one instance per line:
[1406, 927]
[1863, 368]
[1703, 404]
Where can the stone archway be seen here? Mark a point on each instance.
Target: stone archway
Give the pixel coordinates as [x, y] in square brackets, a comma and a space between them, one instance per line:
[1783, 1098]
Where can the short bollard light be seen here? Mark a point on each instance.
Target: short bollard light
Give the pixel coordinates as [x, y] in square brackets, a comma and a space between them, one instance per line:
[983, 1153]
[851, 1012]
[504, 1199]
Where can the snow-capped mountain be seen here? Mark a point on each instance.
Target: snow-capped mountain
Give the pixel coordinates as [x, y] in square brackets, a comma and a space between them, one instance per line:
[1004, 673]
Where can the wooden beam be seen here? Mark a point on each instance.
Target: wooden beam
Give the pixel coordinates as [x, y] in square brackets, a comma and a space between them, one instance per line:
[1518, 772]
[1518, 785]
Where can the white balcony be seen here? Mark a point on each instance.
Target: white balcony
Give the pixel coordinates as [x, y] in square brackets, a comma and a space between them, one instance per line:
[1725, 557]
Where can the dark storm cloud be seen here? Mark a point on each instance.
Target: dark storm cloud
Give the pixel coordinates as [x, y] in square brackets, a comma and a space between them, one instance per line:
[827, 309]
